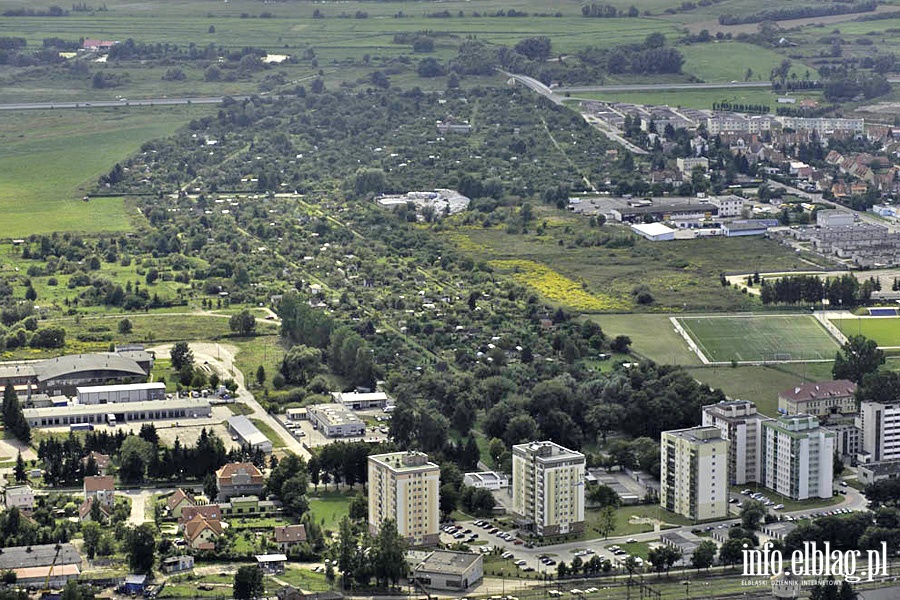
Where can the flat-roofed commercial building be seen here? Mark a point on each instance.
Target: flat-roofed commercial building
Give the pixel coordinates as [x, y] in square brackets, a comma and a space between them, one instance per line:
[694, 473]
[131, 392]
[121, 412]
[334, 420]
[548, 488]
[445, 570]
[489, 480]
[797, 457]
[405, 487]
[248, 434]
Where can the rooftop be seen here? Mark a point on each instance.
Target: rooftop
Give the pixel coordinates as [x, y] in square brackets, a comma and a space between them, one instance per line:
[126, 387]
[188, 404]
[404, 461]
[247, 431]
[448, 563]
[334, 414]
[820, 390]
[99, 483]
[652, 228]
[61, 366]
[884, 467]
[17, 557]
[698, 435]
[267, 558]
[545, 451]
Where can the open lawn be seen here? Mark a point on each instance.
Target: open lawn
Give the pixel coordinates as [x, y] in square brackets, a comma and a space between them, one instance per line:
[760, 337]
[884, 330]
[51, 158]
[652, 336]
[681, 276]
[761, 384]
[328, 508]
[270, 433]
[729, 61]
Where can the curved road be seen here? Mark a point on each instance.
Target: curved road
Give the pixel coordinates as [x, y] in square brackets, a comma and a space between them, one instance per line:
[220, 358]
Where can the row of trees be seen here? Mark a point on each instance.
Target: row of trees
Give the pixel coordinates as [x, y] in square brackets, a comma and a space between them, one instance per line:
[845, 290]
[13, 418]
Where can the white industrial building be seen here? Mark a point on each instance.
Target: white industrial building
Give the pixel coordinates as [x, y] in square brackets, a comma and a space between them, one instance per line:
[655, 232]
[334, 420]
[248, 434]
[122, 412]
[362, 400]
[834, 218]
[132, 392]
[489, 480]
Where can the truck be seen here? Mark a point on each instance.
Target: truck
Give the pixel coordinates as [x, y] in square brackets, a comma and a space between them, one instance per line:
[81, 427]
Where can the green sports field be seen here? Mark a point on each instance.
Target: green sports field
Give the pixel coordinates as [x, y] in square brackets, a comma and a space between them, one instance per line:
[884, 330]
[760, 337]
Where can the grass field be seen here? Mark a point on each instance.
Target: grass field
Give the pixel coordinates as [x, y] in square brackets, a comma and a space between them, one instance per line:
[761, 384]
[328, 508]
[756, 338]
[729, 61]
[51, 158]
[884, 330]
[694, 98]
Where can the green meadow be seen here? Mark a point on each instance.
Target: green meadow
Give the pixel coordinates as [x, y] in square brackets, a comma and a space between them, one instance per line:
[50, 159]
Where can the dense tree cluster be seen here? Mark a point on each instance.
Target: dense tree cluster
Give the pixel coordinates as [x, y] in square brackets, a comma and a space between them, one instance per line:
[800, 12]
[13, 419]
[845, 290]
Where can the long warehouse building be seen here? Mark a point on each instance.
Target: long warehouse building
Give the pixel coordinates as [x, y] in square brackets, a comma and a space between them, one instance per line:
[121, 412]
[129, 392]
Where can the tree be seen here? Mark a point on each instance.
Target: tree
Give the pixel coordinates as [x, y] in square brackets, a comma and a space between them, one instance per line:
[389, 559]
[140, 544]
[359, 507]
[125, 326]
[210, 487]
[857, 358]
[260, 375]
[181, 355]
[606, 520]
[704, 555]
[13, 418]
[752, 513]
[663, 557]
[248, 583]
[301, 363]
[91, 531]
[243, 323]
[731, 552]
[620, 344]
[19, 471]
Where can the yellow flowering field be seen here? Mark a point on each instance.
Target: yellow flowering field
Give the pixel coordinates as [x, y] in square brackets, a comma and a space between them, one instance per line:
[558, 288]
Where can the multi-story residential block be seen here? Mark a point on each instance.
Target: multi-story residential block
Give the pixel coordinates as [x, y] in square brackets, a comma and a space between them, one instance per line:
[797, 457]
[880, 425]
[847, 435]
[694, 473]
[820, 399]
[548, 488]
[21, 497]
[405, 487]
[740, 424]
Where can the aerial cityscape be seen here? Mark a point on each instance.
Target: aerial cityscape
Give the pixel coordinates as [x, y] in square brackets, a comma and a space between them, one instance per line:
[316, 300]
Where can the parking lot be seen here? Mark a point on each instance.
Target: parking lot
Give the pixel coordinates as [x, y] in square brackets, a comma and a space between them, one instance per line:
[377, 423]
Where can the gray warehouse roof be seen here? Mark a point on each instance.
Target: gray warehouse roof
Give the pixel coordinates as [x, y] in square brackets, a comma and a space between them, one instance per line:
[247, 431]
[74, 363]
[448, 563]
[18, 557]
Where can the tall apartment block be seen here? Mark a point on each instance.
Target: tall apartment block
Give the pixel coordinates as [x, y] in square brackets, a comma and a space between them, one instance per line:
[880, 425]
[405, 487]
[740, 424]
[548, 488]
[797, 457]
[694, 473]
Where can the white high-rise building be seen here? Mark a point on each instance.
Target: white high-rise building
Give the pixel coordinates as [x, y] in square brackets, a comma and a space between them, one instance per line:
[880, 425]
[694, 473]
[740, 424]
[405, 487]
[548, 488]
[797, 457]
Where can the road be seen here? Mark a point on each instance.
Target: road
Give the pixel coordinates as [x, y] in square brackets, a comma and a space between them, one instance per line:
[220, 358]
[816, 197]
[139, 499]
[146, 102]
[853, 500]
[659, 87]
